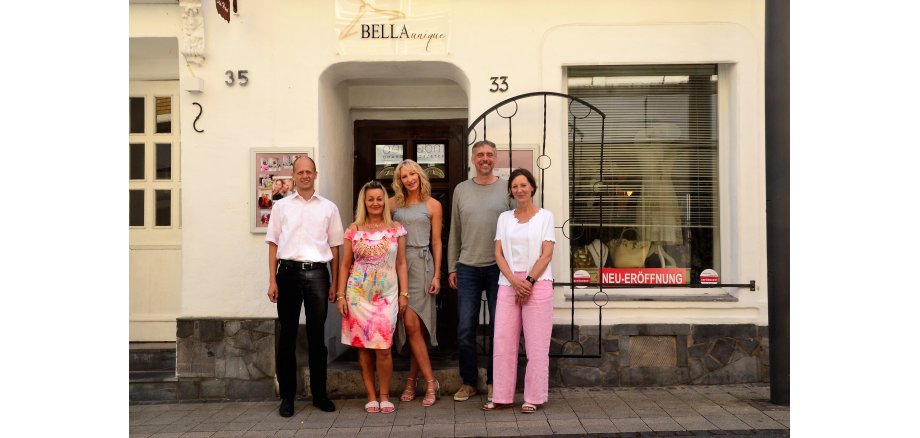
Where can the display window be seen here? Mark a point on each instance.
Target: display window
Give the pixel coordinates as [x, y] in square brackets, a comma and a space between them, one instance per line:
[644, 188]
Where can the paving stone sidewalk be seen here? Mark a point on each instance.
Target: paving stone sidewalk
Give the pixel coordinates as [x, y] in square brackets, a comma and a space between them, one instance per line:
[723, 410]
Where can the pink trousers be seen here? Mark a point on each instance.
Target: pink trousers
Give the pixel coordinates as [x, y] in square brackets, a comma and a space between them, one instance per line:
[536, 318]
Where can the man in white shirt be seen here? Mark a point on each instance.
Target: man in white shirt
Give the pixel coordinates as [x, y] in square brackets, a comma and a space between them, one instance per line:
[304, 235]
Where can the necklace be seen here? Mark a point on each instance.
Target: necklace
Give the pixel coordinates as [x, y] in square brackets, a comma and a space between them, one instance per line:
[374, 225]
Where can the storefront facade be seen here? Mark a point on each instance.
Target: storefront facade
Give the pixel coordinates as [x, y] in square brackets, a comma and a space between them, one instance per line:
[674, 151]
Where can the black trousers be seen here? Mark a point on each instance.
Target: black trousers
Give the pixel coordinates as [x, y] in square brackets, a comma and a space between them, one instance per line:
[309, 289]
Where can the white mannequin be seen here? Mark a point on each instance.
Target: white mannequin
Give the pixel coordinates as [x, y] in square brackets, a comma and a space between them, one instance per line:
[660, 213]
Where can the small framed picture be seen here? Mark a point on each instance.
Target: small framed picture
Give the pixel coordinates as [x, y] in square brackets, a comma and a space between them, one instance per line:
[273, 180]
[521, 156]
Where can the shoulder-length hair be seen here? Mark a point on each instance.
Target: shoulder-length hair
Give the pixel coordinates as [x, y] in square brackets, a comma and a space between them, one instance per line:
[401, 193]
[530, 179]
[361, 210]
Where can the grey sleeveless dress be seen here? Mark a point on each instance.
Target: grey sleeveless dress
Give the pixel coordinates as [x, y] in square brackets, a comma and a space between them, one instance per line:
[417, 222]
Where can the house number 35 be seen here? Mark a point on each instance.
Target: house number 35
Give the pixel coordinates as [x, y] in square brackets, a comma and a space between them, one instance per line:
[240, 76]
[499, 84]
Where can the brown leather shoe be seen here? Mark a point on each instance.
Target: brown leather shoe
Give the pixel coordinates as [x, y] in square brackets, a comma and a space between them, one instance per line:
[464, 393]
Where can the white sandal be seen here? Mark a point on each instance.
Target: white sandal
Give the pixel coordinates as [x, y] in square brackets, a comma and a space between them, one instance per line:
[372, 407]
[387, 407]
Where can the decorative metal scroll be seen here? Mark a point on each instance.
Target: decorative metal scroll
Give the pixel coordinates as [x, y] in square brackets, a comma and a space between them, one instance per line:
[578, 109]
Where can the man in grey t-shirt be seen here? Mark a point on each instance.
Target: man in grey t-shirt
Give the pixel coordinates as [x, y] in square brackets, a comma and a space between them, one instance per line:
[471, 267]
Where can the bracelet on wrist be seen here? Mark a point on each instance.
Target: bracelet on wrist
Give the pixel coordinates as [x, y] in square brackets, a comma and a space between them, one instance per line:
[339, 298]
[404, 294]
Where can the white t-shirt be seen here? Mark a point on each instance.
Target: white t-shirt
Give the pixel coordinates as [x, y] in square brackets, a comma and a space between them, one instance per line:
[522, 243]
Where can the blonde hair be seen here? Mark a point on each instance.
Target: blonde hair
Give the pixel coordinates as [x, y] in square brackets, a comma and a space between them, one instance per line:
[401, 193]
[361, 209]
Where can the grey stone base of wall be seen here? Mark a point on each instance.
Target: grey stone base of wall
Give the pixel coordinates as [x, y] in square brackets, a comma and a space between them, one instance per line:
[225, 359]
[660, 355]
[234, 359]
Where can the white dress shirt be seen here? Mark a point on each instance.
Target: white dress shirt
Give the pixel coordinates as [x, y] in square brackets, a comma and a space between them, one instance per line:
[305, 229]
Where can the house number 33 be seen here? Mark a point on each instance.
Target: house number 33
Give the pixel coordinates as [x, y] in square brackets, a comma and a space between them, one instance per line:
[240, 77]
[499, 84]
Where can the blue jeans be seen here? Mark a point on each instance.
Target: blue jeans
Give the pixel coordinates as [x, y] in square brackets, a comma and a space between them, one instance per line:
[471, 281]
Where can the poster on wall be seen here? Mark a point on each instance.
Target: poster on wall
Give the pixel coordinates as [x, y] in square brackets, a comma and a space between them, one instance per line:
[521, 156]
[272, 174]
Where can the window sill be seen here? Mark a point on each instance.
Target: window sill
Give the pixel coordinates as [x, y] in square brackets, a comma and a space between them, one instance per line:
[589, 297]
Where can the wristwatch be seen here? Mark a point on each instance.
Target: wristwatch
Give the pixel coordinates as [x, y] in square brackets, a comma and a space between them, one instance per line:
[404, 293]
[530, 279]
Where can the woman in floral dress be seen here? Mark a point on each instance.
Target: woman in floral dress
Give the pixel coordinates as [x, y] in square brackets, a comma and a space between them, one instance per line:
[369, 297]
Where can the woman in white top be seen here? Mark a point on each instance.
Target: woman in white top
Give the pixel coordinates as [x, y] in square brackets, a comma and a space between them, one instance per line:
[524, 239]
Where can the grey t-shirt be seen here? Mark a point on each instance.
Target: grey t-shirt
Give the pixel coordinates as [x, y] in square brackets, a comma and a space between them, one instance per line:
[474, 213]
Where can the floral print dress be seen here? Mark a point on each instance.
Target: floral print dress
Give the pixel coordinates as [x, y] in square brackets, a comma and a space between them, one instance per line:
[372, 291]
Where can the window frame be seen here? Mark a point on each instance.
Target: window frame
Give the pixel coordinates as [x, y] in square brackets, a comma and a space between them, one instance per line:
[726, 156]
[151, 92]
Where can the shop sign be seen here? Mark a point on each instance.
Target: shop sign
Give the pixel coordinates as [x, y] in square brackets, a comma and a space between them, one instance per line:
[387, 156]
[645, 276]
[581, 278]
[389, 153]
[400, 27]
[223, 8]
[430, 153]
[709, 276]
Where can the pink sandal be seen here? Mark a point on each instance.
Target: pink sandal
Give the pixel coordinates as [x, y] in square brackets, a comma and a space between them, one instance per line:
[372, 407]
[409, 393]
[432, 392]
[386, 407]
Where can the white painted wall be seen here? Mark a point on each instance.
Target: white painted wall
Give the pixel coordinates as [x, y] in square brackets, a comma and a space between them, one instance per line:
[153, 59]
[296, 98]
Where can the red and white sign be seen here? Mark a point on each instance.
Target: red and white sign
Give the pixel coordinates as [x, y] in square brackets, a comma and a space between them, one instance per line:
[581, 278]
[645, 276]
[709, 276]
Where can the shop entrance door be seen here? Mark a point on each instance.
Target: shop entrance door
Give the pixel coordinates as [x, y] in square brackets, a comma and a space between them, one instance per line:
[438, 146]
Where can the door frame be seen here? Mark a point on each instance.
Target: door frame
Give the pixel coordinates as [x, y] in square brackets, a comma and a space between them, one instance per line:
[409, 133]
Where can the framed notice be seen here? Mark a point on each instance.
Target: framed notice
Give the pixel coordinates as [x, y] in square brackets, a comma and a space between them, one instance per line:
[272, 178]
[386, 157]
[521, 156]
[430, 156]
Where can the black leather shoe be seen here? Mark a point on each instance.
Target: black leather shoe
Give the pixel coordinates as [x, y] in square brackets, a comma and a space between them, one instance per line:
[324, 404]
[287, 407]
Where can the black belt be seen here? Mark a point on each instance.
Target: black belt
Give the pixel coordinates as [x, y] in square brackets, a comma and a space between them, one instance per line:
[303, 266]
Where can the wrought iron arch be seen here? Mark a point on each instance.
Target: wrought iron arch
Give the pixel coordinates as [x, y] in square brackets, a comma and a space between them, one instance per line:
[544, 161]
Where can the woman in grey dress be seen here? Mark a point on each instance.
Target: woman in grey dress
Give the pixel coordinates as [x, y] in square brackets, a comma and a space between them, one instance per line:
[421, 215]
